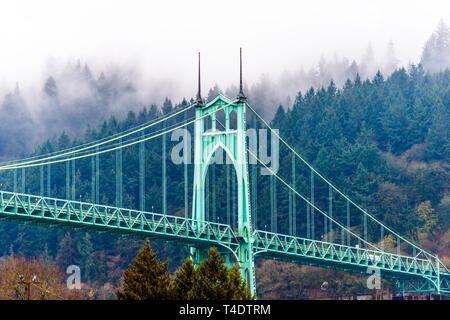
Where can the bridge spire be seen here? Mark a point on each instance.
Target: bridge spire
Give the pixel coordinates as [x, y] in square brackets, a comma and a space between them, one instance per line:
[199, 96]
[241, 95]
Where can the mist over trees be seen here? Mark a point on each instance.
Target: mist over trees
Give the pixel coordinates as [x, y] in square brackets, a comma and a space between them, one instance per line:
[73, 98]
[268, 93]
[436, 53]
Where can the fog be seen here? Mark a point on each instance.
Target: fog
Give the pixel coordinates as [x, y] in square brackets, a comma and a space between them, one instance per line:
[64, 66]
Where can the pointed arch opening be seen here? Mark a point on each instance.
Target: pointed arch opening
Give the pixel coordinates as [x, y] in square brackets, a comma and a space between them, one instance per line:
[232, 120]
[220, 120]
[207, 123]
[221, 189]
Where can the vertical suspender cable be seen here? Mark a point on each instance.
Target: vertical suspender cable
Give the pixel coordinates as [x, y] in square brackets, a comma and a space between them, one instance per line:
[93, 179]
[15, 181]
[365, 230]
[294, 213]
[330, 212]
[97, 177]
[227, 169]
[119, 176]
[272, 219]
[73, 180]
[290, 212]
[348, 222]
[164, 183]
[142, 175]
[49, 180]
[308, 222]
[207, 195]
[213, 191]
[312, 208]
[67, 180]
[41, 189]
[23, 180]
[325, 228]
[275, 209]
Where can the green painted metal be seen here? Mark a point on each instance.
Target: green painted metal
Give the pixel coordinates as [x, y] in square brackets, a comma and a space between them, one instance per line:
[67, 180]
[41, 180]
[93, 184]
[119, 176]
[142, 174]
[186, 157]
[52, 212]
[49, 180]
[232, 141]
[97, 177]
[273, 204]
[23, 180]
[73, 180]
[164, 173]
[294, 207]
[414, 273]
[330, 212]
[313, 234]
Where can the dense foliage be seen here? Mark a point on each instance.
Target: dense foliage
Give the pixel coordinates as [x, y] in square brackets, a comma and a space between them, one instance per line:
[384, 141]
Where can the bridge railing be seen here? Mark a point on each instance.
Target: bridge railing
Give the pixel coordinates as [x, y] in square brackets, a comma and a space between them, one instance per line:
[321, 253]
[55, 211]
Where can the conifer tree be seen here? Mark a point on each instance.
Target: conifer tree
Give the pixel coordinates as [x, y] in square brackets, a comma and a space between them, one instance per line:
[215, 281]
[86, 251]
[238, 288]
[146, 279]
[185, 277]
[212, 279]
[67, 252]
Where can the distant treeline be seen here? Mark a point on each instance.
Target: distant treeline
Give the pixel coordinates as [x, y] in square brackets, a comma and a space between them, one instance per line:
[384, 141]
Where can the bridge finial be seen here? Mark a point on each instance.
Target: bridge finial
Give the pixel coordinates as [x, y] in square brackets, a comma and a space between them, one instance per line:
[241, 95]
[199, 96]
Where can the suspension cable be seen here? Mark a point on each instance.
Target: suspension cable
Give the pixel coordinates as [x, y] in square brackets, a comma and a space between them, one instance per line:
[312, 204]
[18, 161]
[101, 141]
[120, 146]
[336, 189]
[86, 152]
[301, 196]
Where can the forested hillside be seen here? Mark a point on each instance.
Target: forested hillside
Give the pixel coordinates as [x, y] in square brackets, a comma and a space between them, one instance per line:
[386, 142]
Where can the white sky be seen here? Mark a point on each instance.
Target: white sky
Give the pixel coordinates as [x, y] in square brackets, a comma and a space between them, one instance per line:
[163, 37]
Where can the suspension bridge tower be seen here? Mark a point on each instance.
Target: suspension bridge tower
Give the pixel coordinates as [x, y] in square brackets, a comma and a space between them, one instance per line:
[233, 142]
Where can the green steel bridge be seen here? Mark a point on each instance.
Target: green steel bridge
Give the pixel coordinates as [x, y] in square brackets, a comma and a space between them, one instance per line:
[345, 243]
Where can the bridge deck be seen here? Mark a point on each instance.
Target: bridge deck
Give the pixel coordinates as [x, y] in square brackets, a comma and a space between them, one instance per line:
[81, 216]
[347, 258]
[45, 211]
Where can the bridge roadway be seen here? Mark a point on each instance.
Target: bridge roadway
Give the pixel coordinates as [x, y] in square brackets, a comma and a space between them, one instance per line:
[410, 273]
